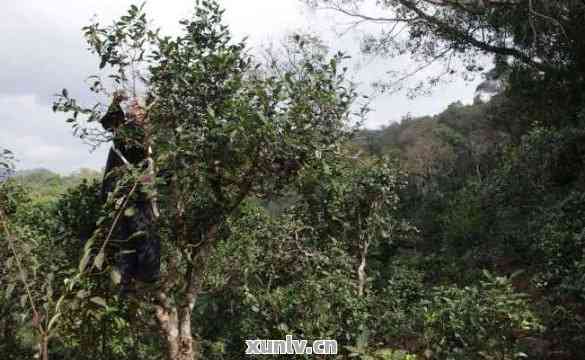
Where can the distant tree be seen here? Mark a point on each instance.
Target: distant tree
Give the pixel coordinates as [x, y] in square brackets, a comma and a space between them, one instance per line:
[32, 278]
[537, 45]
[6, 163]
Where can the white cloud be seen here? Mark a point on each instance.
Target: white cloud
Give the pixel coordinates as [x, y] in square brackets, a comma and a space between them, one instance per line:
[41, 139]
[44, 51]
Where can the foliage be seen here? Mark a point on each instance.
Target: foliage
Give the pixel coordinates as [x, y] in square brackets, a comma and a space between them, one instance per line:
[477, 321]
[277, 218]
[79, 209]
[559, 243]
[464, 220]
[273, 291]
[6, 163]
[222, 125]
[535, 45]
[34, 270]
[382, 354]
[46, 185]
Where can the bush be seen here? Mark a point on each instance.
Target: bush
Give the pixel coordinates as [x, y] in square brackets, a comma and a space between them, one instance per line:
[476, 321]
[559, 240]
[395, 306]
[463, 221]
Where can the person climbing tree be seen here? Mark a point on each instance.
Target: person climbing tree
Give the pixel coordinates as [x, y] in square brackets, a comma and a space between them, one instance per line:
[139, 253]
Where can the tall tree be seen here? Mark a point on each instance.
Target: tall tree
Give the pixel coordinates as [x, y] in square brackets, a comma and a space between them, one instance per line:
[537, 45]
[222, 128]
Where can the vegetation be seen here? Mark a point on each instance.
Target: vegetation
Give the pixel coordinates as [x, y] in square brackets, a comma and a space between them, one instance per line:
[454, 236]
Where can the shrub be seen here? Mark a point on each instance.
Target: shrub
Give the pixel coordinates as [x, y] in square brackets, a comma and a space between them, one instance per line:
[559, 240]
[464, 218]
[476, 321]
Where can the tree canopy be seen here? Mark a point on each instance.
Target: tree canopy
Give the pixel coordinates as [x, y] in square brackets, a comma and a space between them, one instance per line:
[452, 236]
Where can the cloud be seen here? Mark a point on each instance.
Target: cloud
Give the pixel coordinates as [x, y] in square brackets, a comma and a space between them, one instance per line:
[44, 51]
[41, 139]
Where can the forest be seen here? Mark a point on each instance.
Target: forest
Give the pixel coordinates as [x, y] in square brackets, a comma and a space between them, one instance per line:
[260, 207]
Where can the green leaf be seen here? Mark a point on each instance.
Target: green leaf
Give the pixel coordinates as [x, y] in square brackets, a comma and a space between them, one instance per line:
[99, 260]
[23, 300]
[130, 212]
[116, 276]
[54, 320]
[84, 261]
[9, 290]
[82, 294]
[99, 301]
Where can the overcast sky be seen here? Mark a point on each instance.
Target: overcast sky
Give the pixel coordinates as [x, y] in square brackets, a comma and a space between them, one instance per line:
[43, 51]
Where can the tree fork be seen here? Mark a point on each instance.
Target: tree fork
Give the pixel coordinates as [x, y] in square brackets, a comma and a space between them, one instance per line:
[175, 319]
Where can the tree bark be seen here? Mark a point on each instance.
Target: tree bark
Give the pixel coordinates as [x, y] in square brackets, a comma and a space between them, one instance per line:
[44, 347]
[175, 324]
[174, 318]
[362, 276]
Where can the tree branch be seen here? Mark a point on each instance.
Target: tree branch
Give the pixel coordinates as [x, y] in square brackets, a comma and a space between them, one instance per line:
[468, 38]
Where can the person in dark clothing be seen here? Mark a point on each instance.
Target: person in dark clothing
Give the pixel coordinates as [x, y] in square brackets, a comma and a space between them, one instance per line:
[136, 231]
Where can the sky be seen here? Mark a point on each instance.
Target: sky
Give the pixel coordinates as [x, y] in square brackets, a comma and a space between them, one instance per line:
[43, 51]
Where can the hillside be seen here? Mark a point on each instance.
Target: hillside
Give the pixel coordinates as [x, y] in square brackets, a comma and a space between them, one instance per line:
[244, 215]
[47, 184]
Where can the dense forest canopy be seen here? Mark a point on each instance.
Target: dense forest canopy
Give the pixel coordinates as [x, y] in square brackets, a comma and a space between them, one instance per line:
[453, 236]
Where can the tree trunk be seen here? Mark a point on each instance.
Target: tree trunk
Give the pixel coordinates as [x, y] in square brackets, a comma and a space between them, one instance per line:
[362, 276]
[176, 327]
[174, 319]
[43, 347]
